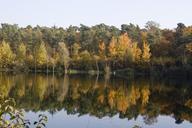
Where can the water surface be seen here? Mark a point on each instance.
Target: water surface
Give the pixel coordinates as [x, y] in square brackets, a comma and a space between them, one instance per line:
[84, 101]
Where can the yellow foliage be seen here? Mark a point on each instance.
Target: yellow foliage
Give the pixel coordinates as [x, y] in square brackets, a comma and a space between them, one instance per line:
[187, 31]
[76, 48]
[111, 98]
[21, 53]
[20, 91]
[134, 95]
[75, 93]
[30, 59]
[146, 55]
[112, 47]
[189, 103]
[136, 53]
[145, 95]
[40, 86]
[6, 85]
[64, 54]
[122, 104]
[124, 45]
[189, 47]
[102, 49]
[100, 99]
[41, 55]
[6, 55]
[122, 100]
[124, 48]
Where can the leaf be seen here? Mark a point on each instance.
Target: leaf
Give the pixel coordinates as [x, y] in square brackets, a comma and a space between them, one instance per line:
[12, 118]
[35, 122]
[43, 124]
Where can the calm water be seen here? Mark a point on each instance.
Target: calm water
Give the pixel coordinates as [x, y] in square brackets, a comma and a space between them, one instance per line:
[102, 102]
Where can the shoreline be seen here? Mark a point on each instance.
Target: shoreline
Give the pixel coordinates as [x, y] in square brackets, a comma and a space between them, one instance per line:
[149, 71]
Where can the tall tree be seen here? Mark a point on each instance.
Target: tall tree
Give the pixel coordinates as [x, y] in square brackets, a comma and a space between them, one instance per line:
[153, 32]
[41, 55]
[75, 52]
[179, 32]
[146, 55]
[112, 47]
[21, 54]
[132, 30]
[6, 55]
[123, 46]
[136, 51]
[102, 49]
[64, 55]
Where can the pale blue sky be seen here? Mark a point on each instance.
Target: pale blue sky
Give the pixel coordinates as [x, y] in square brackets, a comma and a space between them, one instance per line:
[91, 12]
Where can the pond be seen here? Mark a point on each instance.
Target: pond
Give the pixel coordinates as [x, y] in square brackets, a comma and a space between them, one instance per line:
[86, 101]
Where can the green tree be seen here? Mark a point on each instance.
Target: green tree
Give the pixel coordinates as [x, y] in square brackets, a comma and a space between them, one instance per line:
[85, 59]
[153, 32]
[132, 30]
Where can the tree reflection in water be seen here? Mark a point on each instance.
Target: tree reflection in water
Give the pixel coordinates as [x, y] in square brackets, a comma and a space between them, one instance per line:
[101, 97]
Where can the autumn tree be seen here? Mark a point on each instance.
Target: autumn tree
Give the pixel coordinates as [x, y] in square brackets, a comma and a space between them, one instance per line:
[102, 49]
[30, 60]
[136, 52]
[112, 47]
[102, 55]
[189, 52]
[124, 48]
[6, 55]
[21, 54]
[75, 50]
[146, 55]
[64, 55]
[41, 55]
[124, 45]
[86, 59]
[189, 47]
[96, 58]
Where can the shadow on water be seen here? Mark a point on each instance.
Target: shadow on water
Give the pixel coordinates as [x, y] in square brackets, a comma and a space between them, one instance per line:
[101, 96]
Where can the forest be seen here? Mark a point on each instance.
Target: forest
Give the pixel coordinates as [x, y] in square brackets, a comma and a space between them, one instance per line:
[99, 48]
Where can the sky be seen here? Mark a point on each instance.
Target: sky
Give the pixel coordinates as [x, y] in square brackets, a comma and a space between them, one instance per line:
[64, 13]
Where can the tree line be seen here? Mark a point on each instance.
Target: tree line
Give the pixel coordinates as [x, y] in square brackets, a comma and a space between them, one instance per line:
[100, 47]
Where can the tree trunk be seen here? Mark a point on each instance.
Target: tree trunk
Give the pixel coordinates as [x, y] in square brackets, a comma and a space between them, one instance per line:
[65, 69]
